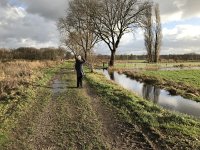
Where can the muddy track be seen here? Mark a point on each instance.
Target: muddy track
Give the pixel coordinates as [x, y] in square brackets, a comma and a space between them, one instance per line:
[65, 117]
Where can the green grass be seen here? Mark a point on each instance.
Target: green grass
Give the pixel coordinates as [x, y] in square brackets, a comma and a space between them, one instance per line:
[188, 77]
[131, 64]
[177, 129]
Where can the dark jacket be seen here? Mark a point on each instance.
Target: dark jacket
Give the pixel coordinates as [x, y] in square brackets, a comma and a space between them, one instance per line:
[79, 67]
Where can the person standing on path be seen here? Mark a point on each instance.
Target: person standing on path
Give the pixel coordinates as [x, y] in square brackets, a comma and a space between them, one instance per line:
[79, 70]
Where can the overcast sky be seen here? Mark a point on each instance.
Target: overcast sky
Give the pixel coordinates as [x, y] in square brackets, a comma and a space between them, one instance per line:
[32, 23]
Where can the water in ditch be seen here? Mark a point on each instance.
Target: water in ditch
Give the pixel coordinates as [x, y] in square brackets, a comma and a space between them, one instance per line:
[155, 94]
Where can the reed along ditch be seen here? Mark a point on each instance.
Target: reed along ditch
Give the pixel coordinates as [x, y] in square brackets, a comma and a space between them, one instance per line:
[156, 95]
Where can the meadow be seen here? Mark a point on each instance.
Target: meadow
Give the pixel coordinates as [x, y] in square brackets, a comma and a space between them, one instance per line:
[191, 78]
[142, 64]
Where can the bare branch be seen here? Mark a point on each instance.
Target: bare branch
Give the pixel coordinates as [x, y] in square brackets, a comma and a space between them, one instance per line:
[113, 18]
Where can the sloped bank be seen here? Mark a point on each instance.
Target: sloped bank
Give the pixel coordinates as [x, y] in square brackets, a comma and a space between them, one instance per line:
[173, 85]
[165, 129]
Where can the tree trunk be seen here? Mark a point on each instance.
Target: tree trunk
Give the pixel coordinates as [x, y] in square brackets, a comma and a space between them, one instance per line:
[85, 55]
[156, 50]
[112, 58]
[149, 56]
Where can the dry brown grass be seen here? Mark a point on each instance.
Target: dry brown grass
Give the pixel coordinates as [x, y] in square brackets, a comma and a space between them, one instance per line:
[16, 73]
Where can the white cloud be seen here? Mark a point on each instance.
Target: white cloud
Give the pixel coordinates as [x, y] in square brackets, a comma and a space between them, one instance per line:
[188, 32]
[14, 13]
[126, 39]
[32, 43]
[17, 25]
[176, 16]
[175, 10]
[181, 39]
[46, 8]
[183, 32]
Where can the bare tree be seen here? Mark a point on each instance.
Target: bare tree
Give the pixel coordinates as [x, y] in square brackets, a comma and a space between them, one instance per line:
[158, 33]
[113, 18]
[71, 44]
[75, 28]
[148, 33]
[152, 33]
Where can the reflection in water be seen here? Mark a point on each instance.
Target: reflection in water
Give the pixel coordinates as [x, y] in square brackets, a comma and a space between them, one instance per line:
[57, 86]
[112, 76]
[158, 96]
[150, 92]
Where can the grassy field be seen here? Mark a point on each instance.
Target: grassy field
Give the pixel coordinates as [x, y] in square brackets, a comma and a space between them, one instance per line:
[141, 64]
[188, 77]
[181, 82]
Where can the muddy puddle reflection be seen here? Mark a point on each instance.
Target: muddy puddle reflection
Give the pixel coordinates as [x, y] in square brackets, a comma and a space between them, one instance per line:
[157, 95]
[57, 86]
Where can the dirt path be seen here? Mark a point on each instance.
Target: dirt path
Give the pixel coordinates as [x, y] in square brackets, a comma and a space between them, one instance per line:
[65, 117]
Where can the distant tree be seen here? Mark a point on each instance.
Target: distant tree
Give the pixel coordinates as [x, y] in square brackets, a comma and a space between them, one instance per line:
[148, 33]
[158, 33]
[152, 33]
[113, 18]
[5, 54]
[29, 53]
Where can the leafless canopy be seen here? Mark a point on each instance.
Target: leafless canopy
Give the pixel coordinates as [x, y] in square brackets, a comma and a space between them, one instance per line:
[113, 18]
[76, 28]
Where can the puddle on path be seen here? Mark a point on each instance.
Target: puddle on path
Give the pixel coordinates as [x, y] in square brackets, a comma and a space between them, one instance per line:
[58, 86]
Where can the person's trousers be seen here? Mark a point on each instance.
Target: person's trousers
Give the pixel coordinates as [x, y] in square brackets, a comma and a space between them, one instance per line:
[79, 81]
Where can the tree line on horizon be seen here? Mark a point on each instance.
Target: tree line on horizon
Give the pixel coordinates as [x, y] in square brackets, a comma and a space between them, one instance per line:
[31, 53]
[88, 22]
[163, 58]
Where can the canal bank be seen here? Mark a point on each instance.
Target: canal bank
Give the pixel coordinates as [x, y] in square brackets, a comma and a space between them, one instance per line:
[155, 94]
[159, 125]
